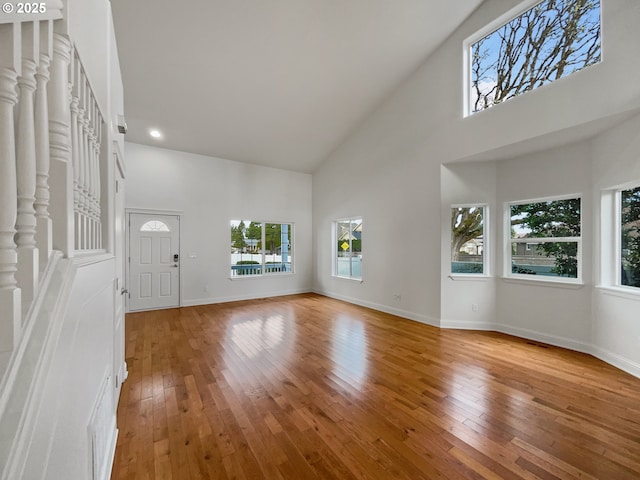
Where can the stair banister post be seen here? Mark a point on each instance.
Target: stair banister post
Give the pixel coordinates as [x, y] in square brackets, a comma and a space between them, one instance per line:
[10, 294]
[61, 169]
[27, 274]
[75, 150]
[44, 234]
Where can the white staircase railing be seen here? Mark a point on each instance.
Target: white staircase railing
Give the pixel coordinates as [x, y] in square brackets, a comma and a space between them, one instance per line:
[51, 128]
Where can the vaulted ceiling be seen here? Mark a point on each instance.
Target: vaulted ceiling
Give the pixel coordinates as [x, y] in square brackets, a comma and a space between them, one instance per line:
[271, 82]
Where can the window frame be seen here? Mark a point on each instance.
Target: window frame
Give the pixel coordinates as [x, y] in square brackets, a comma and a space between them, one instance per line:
[508, 242]
[490, 28]
[263, 270]
[485, 243]
[617, 250]
[334, 250]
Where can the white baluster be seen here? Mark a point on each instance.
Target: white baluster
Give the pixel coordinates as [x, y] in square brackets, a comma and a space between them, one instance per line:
[61, 171]
[44, 239]
[10, 295]
[93, 159]
[84, 170]
[96, 154]
[28, 265]
[75, 152]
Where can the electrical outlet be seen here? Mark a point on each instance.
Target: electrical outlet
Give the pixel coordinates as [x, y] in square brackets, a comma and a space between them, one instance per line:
[475, 307]
[206, 288]
[397, 297]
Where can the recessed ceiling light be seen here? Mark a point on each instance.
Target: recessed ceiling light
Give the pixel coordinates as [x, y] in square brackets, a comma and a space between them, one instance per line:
[155, 133]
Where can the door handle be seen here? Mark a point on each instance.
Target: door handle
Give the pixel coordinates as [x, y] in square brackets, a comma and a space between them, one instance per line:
[123, 291]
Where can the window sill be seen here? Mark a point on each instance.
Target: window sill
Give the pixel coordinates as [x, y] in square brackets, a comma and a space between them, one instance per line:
[630, 293]
[461, 277]
[270, 275]
[572, 285]
[350, 279]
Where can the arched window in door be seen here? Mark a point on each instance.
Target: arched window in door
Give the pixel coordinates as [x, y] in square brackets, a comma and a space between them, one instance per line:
[154, 226]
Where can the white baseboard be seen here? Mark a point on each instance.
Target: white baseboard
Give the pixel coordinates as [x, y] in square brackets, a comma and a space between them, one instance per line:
[238, 298]
[611, 358]
[383, 308]
[618, 361]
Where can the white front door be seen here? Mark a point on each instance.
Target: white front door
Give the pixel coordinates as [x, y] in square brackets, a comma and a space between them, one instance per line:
[154, 261]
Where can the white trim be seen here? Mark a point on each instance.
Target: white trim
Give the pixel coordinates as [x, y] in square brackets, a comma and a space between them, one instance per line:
[334, 252]
[618, 361]
[239, 298]
[617, 219]
[406, 314]
[507, 272]
[153, 211]
[487, 30]
[630, 293]
[262, 276]
[466, 277]
[263, 251]
[349, 279]
[543, 281]
[486, 240]
[127, 233]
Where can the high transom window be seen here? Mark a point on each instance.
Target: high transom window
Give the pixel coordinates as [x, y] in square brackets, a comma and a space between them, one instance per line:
[551, 40]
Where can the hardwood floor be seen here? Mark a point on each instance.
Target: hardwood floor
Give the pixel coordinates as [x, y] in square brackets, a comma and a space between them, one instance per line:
[307, 387]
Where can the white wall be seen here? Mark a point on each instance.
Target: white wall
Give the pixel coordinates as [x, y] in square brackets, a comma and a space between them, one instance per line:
[469, 184]
[616, 317]
[554, 313]
[389, 171]
[210, 192]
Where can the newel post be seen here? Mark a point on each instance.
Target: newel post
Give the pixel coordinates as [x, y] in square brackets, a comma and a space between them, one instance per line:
[10, 295]
[61, 168]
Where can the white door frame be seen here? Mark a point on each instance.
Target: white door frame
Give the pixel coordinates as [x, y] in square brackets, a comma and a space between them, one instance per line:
[150, 211]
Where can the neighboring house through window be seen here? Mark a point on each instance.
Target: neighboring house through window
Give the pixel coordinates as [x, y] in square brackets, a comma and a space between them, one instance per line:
[544, 239]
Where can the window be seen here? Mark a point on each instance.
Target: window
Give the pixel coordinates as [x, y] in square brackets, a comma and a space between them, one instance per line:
[348, 248]
[154, 226]
[467, 240]
[261, 248]
[630, 237]
[552, 40]
[551, 229]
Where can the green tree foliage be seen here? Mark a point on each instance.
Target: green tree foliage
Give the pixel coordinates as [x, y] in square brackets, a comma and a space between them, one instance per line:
[254, 232]
[630, 222]
[466, 225]
[273, 237]
[557, 218]
[550, 41]
[237, 236]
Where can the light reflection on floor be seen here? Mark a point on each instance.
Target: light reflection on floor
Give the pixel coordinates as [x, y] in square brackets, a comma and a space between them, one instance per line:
[254, 338]
[349, 351]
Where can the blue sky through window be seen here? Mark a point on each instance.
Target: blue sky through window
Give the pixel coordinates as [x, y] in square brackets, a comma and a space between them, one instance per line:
[553, 39]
